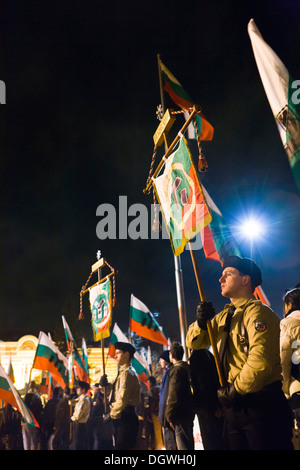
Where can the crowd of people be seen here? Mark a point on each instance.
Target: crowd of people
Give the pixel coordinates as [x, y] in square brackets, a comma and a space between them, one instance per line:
[249, 401]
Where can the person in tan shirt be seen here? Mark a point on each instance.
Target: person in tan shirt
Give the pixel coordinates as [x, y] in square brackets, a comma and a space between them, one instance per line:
[124, 397]
[246, 332]
[290, 350]
[80, 417]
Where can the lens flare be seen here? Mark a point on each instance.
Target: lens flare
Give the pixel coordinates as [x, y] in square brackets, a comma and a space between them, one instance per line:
[253, 228]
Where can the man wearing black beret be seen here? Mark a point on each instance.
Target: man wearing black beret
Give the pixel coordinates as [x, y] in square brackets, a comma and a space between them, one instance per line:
[247, 336]
[80, 417]
[167, 432]
[124, 397]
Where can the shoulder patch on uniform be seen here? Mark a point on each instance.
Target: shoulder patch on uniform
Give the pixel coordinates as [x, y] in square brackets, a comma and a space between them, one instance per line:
[260, 326]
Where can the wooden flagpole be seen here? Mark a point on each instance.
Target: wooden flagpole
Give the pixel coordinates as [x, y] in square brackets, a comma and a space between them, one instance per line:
[208, 323]
[102, 340]
[71, 383]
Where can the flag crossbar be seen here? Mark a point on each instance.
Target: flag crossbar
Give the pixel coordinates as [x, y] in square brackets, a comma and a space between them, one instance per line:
[98, 282]
[195, 110]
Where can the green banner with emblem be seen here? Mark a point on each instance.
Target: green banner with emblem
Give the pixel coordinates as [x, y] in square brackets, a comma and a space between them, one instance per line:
[101, 308]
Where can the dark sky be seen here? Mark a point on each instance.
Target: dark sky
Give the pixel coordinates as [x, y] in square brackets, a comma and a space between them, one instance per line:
[76, 132]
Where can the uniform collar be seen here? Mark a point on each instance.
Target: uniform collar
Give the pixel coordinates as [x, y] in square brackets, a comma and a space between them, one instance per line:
[124, 367]
[243, 300]
[82, 397]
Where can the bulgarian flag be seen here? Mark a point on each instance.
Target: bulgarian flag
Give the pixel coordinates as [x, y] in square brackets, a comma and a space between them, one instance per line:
[9, 394]
[217, 240]
[219, 243]
[182, 99]
[101, 308]
[143, 323]
[181, 198]
[85, 356]
[282, 94]
[81, 372]
[138, 362]
[48, 357]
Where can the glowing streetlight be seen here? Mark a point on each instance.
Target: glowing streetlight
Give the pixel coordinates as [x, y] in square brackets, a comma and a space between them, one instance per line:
[252, 228]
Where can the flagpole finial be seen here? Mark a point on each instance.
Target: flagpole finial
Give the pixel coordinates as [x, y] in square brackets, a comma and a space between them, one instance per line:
[98, 254]
[159, 112]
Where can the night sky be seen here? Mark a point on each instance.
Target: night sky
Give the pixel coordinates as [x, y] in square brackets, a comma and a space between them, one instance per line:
[77, 131]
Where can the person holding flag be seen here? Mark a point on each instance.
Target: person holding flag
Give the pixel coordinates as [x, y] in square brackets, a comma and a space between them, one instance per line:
[31, 434]
[10, 395]
[124, 397]
[256, 412]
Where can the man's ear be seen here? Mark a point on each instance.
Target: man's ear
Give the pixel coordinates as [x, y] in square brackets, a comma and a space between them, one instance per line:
[246, 281]
[128, 356]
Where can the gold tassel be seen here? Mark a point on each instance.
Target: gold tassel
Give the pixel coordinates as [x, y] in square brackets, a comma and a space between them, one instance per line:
[202, 163]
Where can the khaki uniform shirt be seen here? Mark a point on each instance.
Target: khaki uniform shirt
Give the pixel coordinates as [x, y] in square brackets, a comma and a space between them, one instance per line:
[250, 373]
[82, 409]
[125, 392]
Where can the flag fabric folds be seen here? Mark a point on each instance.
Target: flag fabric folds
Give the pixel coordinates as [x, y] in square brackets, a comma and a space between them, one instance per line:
[47, 384]
[9, 394]
[143, 323]
[48, 357]
[79, 364]
[138, 362]
[101, 308]
[282, 94]
[183, 100]
[218, 241]
[85, 356]
[181, 199]
[10, 371]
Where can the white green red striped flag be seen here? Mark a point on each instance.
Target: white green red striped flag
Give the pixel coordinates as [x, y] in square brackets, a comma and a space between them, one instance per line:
[183, 100]
[9, 394]
[143, 323]
[181, 198]
[79, 364]
[283, 96]
[138, 362]
[48, 357]
[85, 356]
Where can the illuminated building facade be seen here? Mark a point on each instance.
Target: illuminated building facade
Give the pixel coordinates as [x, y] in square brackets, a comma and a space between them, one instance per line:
[22, 352]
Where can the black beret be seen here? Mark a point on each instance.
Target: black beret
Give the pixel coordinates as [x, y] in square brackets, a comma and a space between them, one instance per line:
[165, 355]
[125, 347]
[84, 385]
[245, 266]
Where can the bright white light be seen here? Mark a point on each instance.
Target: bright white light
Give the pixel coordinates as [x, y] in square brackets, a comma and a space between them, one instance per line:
[252, 228]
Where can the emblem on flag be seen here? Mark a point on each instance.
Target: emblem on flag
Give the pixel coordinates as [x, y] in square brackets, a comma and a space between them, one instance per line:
[101, 308]
[181, 198]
